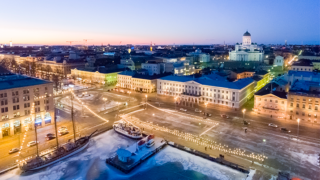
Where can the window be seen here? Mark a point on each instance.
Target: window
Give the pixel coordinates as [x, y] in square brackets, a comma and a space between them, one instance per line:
[15, 100]
[37, 109]
[316, 108]
[36, 103]
[26, 112]
[297, 105]
[270, 100]
[309, 106]
[4, 109]
[3, 95]
[303, 106]
[25, 91]
[4, 102]
[265, 99]
[276, 101]
[26, 105]
[46, 108]
[297, 113]
[26, 98]
[291, 104]
[16, 107]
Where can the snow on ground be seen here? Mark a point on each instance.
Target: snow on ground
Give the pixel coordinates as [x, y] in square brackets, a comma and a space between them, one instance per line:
[90, 164]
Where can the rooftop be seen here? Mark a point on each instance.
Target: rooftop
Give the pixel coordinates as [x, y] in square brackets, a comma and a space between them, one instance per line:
[18, 81]
[267, 90]
[302, 62]
[212, 80]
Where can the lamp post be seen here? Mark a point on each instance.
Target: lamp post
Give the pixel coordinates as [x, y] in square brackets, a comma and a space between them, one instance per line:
[243, 111]
[146, 101]
[298, 128]
[175, 103]
[205, 113]
[105, 102]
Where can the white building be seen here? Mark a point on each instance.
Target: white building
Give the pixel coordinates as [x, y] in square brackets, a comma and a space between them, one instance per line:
[154, 67]
[212, 89]
[279, 61]
[302, 65]
[246, 51]
[183, 68]
[25, 102]
[203, 57]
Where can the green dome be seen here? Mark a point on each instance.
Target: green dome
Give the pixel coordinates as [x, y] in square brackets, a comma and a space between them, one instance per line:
[246, 34]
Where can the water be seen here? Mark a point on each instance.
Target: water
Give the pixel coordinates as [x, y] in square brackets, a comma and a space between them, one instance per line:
[170, 163]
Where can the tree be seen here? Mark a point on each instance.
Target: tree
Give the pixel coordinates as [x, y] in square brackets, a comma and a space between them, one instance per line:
[55, 79]
[48, 71]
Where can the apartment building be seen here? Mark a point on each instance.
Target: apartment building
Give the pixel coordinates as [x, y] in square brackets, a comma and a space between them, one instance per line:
[25, 102]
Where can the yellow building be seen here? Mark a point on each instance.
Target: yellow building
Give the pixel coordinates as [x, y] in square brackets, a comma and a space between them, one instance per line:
[100, 77]
[303, 101]
[270, 103]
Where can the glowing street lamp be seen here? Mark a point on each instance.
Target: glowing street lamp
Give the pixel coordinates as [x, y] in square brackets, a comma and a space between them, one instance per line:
[175, 103]
[243, 111]
[146, 101]
[105, 102]
[205, 113]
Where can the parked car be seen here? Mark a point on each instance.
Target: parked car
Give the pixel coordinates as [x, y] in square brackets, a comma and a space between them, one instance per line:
[14, 150]
[50, 136]
[181, 109]
[224, 116]
[197, 110]
[246, 122]
[209, 115]
[63, 133]
[62, 129]
[32, 143]
[285, 129]
[272, 125]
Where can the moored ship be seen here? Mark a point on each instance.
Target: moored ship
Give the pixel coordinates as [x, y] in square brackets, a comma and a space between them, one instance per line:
[127, 129]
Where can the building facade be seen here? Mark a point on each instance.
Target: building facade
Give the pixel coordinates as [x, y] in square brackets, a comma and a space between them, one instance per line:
[212, 89]
[246, 51]
[271, 103]
[25, 102]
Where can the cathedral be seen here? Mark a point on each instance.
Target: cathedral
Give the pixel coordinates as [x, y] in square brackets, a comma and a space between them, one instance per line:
[246, 51]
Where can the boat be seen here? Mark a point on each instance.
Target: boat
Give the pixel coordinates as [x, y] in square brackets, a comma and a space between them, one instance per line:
[63, 152]
[59, 153]
[127, 129]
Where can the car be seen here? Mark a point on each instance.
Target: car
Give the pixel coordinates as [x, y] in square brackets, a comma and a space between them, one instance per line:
[181, 109]
[63, 133]
[197, 110]
[285, 129]
[32, 143]
[209, 114]
[246, 122]
[49, 136]
[272, 125]
[14, 150]
[63, 128]
[224, 116]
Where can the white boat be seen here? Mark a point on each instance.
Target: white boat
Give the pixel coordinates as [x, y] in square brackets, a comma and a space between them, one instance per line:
[150, 143]
[127, 129]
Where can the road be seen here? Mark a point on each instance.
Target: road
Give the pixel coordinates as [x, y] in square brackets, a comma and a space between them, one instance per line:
[283, 150]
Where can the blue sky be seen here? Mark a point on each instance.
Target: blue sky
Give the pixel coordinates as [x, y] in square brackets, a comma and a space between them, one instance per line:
[162, 22]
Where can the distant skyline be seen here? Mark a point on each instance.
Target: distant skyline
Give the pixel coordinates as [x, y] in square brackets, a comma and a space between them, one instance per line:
[161, 22]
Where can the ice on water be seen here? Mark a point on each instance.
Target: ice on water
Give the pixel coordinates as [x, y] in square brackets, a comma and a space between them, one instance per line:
[90, 164]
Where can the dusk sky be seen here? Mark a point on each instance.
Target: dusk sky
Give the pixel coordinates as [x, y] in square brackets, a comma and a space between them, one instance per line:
[162, 22]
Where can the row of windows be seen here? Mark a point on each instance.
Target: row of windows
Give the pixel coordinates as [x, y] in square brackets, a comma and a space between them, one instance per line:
[304, 99]
[16, 114]
[309, 115]
[16, 93]
[304, 106]
[179, 85]
[276, 101]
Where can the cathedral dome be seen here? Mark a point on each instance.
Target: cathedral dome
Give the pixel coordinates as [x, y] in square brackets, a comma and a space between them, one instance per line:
[246, 34]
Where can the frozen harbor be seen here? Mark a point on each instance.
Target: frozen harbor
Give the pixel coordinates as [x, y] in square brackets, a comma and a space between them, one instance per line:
[170, 163]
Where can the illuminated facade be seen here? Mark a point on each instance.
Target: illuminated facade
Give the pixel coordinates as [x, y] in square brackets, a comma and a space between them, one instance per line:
[25, 102]
[212, 89]
[246, 51]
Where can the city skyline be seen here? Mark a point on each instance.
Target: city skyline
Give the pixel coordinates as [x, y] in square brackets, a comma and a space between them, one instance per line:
[166, 22]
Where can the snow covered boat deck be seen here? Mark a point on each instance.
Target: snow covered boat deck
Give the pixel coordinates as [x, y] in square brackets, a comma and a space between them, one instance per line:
[129, 158]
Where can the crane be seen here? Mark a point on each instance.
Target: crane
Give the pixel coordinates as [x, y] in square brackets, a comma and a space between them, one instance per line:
[71, 42]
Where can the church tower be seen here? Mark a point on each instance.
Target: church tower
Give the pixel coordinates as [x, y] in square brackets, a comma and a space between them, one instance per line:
[246, 39]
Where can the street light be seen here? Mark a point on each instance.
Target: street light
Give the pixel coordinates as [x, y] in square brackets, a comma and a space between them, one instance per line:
[175, 103]
[243, 111]
[146, 101]
[298, 128]
[105, 100]
[205, 113]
